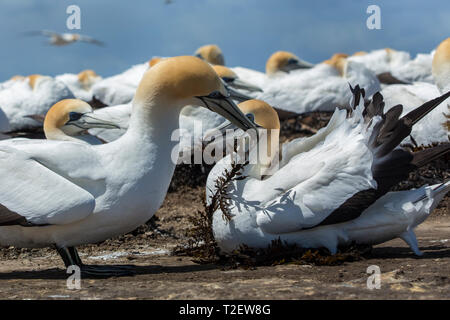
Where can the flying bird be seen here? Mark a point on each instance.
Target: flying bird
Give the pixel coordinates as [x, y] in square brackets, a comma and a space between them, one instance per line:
[63, 39]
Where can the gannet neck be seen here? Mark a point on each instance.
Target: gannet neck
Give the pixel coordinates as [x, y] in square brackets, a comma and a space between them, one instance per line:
[441, 66]
[267, 155]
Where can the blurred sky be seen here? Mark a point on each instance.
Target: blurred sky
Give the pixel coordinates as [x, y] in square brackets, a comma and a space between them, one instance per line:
[248, 31]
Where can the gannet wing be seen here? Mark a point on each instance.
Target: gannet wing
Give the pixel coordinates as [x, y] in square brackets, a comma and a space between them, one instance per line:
[345, 172]
[32, 194]
[91, 40]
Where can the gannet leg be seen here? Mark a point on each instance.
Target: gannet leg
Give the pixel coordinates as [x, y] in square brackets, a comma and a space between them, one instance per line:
[70, 257]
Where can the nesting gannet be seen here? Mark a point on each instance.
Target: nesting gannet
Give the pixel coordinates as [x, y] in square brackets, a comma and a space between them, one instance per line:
[382, 60]
[67, 120]
[80, 84]
[320, 88]
[330, 189]
[63, 39]
[66, 193]
[211, 53]
[283, 61]
[34, 94]
[431, 129]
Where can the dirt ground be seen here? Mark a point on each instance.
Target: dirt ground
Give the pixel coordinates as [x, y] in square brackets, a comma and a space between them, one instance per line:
[40, 273]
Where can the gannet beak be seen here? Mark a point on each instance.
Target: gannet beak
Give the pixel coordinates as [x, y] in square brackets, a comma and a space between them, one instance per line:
[294, 64]
[88, 121]
[236, 95]
[240, 84]
[220, 133]
[225, 106]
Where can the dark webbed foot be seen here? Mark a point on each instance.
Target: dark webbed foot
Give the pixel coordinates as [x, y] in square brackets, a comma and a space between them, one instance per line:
[70, 257]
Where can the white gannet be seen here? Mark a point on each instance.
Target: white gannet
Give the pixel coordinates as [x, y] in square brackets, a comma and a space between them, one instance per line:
[210, 53]
[80, 84]
[120, 88]
[63, 39]
[382, 61]
[331, 188]
[320, 88]
[67, 120]
[67, 193]
[34, 94]
[431, 129]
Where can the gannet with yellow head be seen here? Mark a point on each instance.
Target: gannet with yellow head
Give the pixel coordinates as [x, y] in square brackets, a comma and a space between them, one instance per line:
[431, 129]
[34, 94]
[319, 88]
[210, 53]
[285, 62]
[65, 193]
[81, 84]
[314, 198]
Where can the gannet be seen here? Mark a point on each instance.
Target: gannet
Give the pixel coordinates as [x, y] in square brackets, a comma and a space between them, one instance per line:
[66, 193]
[34, 94]
[431, 129]
[210, 53]
[67, 120]
[331, 188]
[320, 88]
[285, 62]
[80, 84]
[382, 60]
[63, 39]
[120, 88]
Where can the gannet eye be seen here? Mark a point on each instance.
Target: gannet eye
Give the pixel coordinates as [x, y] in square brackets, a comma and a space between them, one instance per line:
[292, 61]
[198, 55]
[74, 116]
[251, 117]
[227, 79]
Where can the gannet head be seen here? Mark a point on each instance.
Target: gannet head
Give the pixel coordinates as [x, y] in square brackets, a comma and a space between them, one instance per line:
[359, 53]
[187, 80]
[441, 66]
[285, 62]
[87, 78]
[154, 61]
[70, 117]
[34, 79]
[266, 118]
[339, 62]
[232, 80]
[211, 53]
[17, 77]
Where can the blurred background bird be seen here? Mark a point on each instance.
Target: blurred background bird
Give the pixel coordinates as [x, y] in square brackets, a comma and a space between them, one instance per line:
[63, 39]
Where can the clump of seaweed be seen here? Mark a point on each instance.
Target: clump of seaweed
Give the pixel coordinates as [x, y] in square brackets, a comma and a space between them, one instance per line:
[201, 243]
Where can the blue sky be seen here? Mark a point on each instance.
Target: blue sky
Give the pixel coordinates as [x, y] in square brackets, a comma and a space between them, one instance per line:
[248, 31]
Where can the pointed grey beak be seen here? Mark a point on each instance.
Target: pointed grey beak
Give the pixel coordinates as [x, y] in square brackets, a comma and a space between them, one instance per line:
[294, 64]
[88, 121]
[236, 95]
[225, 106]
[240, 84]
